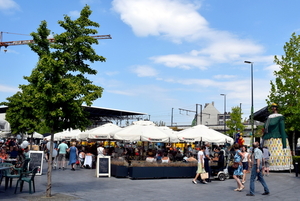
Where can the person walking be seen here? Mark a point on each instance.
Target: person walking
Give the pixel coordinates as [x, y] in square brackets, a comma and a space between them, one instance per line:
[266, 164]
[62, 151]
[73, 155]
[207, 158]
[200, 168]
[238, 157]
[245, 162]
[256, 171]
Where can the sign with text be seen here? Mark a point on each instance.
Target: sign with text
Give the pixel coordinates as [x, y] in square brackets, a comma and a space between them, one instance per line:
[103, 166]
[36, 160]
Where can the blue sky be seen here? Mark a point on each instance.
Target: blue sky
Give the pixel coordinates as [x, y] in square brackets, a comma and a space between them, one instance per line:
[164, 53]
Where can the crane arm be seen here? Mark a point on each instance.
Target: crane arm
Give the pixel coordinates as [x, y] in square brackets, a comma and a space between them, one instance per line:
[51, 40]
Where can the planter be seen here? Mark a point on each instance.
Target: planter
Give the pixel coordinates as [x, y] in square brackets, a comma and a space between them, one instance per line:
[179, 172]
[119, 171]
[161, 172]
[146, 172]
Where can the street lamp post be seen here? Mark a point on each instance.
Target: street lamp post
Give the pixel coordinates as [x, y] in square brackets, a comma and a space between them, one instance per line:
[224, 116]
[252, 108]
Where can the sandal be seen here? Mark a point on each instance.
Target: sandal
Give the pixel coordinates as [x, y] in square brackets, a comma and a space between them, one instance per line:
[241, 188]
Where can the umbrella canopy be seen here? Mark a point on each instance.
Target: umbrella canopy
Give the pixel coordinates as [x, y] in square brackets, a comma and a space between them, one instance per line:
[141, 131]
[69, 134]
[172, 134]
[101, 132]
[203, 133]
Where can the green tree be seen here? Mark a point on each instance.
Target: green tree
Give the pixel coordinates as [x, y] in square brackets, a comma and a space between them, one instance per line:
[57, 85]
[285, 90]
[20, 114]
[235, 121]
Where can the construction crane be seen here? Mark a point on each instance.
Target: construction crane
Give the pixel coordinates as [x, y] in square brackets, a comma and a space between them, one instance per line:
[25, 42]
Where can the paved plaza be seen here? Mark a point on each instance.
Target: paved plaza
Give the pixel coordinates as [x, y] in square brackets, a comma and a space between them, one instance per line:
[83, 185]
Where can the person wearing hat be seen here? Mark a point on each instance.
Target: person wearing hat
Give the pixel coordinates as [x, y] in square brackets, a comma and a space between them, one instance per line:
[276, 140]
[62, 150]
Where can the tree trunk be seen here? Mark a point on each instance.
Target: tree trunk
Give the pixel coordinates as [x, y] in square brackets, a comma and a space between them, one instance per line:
[49, 172]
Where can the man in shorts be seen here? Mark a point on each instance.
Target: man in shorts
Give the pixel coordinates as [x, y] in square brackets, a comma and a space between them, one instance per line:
[62, 150]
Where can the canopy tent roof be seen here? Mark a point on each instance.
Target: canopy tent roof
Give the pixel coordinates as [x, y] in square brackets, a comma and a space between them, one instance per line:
[261, 115]
[203, 133]
[35, 135]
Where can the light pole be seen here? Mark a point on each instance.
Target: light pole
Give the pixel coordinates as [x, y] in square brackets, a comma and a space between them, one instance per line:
[224, 116]
[252, 122]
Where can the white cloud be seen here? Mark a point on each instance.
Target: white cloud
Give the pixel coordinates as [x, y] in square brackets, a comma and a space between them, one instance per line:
[178, 21]
[183, 61]
[8, 6]
[224, 76]
[172, 19]
[126, 93]
[74, 13]
[8, 89]
[111, 73]
[144, 71]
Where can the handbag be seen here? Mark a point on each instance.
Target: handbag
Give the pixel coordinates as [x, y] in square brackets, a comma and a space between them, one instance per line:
[235, 165]
[204, 175]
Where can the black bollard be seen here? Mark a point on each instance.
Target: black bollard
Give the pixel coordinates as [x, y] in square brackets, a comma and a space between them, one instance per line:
[296, 168]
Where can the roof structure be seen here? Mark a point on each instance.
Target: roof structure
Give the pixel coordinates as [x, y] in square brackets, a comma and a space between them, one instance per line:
[108, 114]
[103, 114]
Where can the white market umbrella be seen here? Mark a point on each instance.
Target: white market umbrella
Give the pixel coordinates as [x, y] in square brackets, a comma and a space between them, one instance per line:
[69, 134]
[101, 132]
[141, 131]
[173, 138]
[57, 136]
[203, 133]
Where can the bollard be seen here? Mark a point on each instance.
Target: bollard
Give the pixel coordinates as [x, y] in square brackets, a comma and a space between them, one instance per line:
[296, 168]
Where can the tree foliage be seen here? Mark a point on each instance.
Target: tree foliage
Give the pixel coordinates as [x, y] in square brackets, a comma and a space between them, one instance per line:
[235, 121]
[57, 86]
[285, 91]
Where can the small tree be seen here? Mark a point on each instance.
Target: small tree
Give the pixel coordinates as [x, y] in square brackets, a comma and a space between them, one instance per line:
[285, 91]
[235, 121]
[57, 85]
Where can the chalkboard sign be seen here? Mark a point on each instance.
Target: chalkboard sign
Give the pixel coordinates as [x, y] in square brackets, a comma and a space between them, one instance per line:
[103, 166]
[36, 160]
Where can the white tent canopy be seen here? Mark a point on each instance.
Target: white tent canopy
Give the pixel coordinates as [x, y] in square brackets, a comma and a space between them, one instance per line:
[101, 132]
[203, 133]
[141, 131]
[35, 135]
